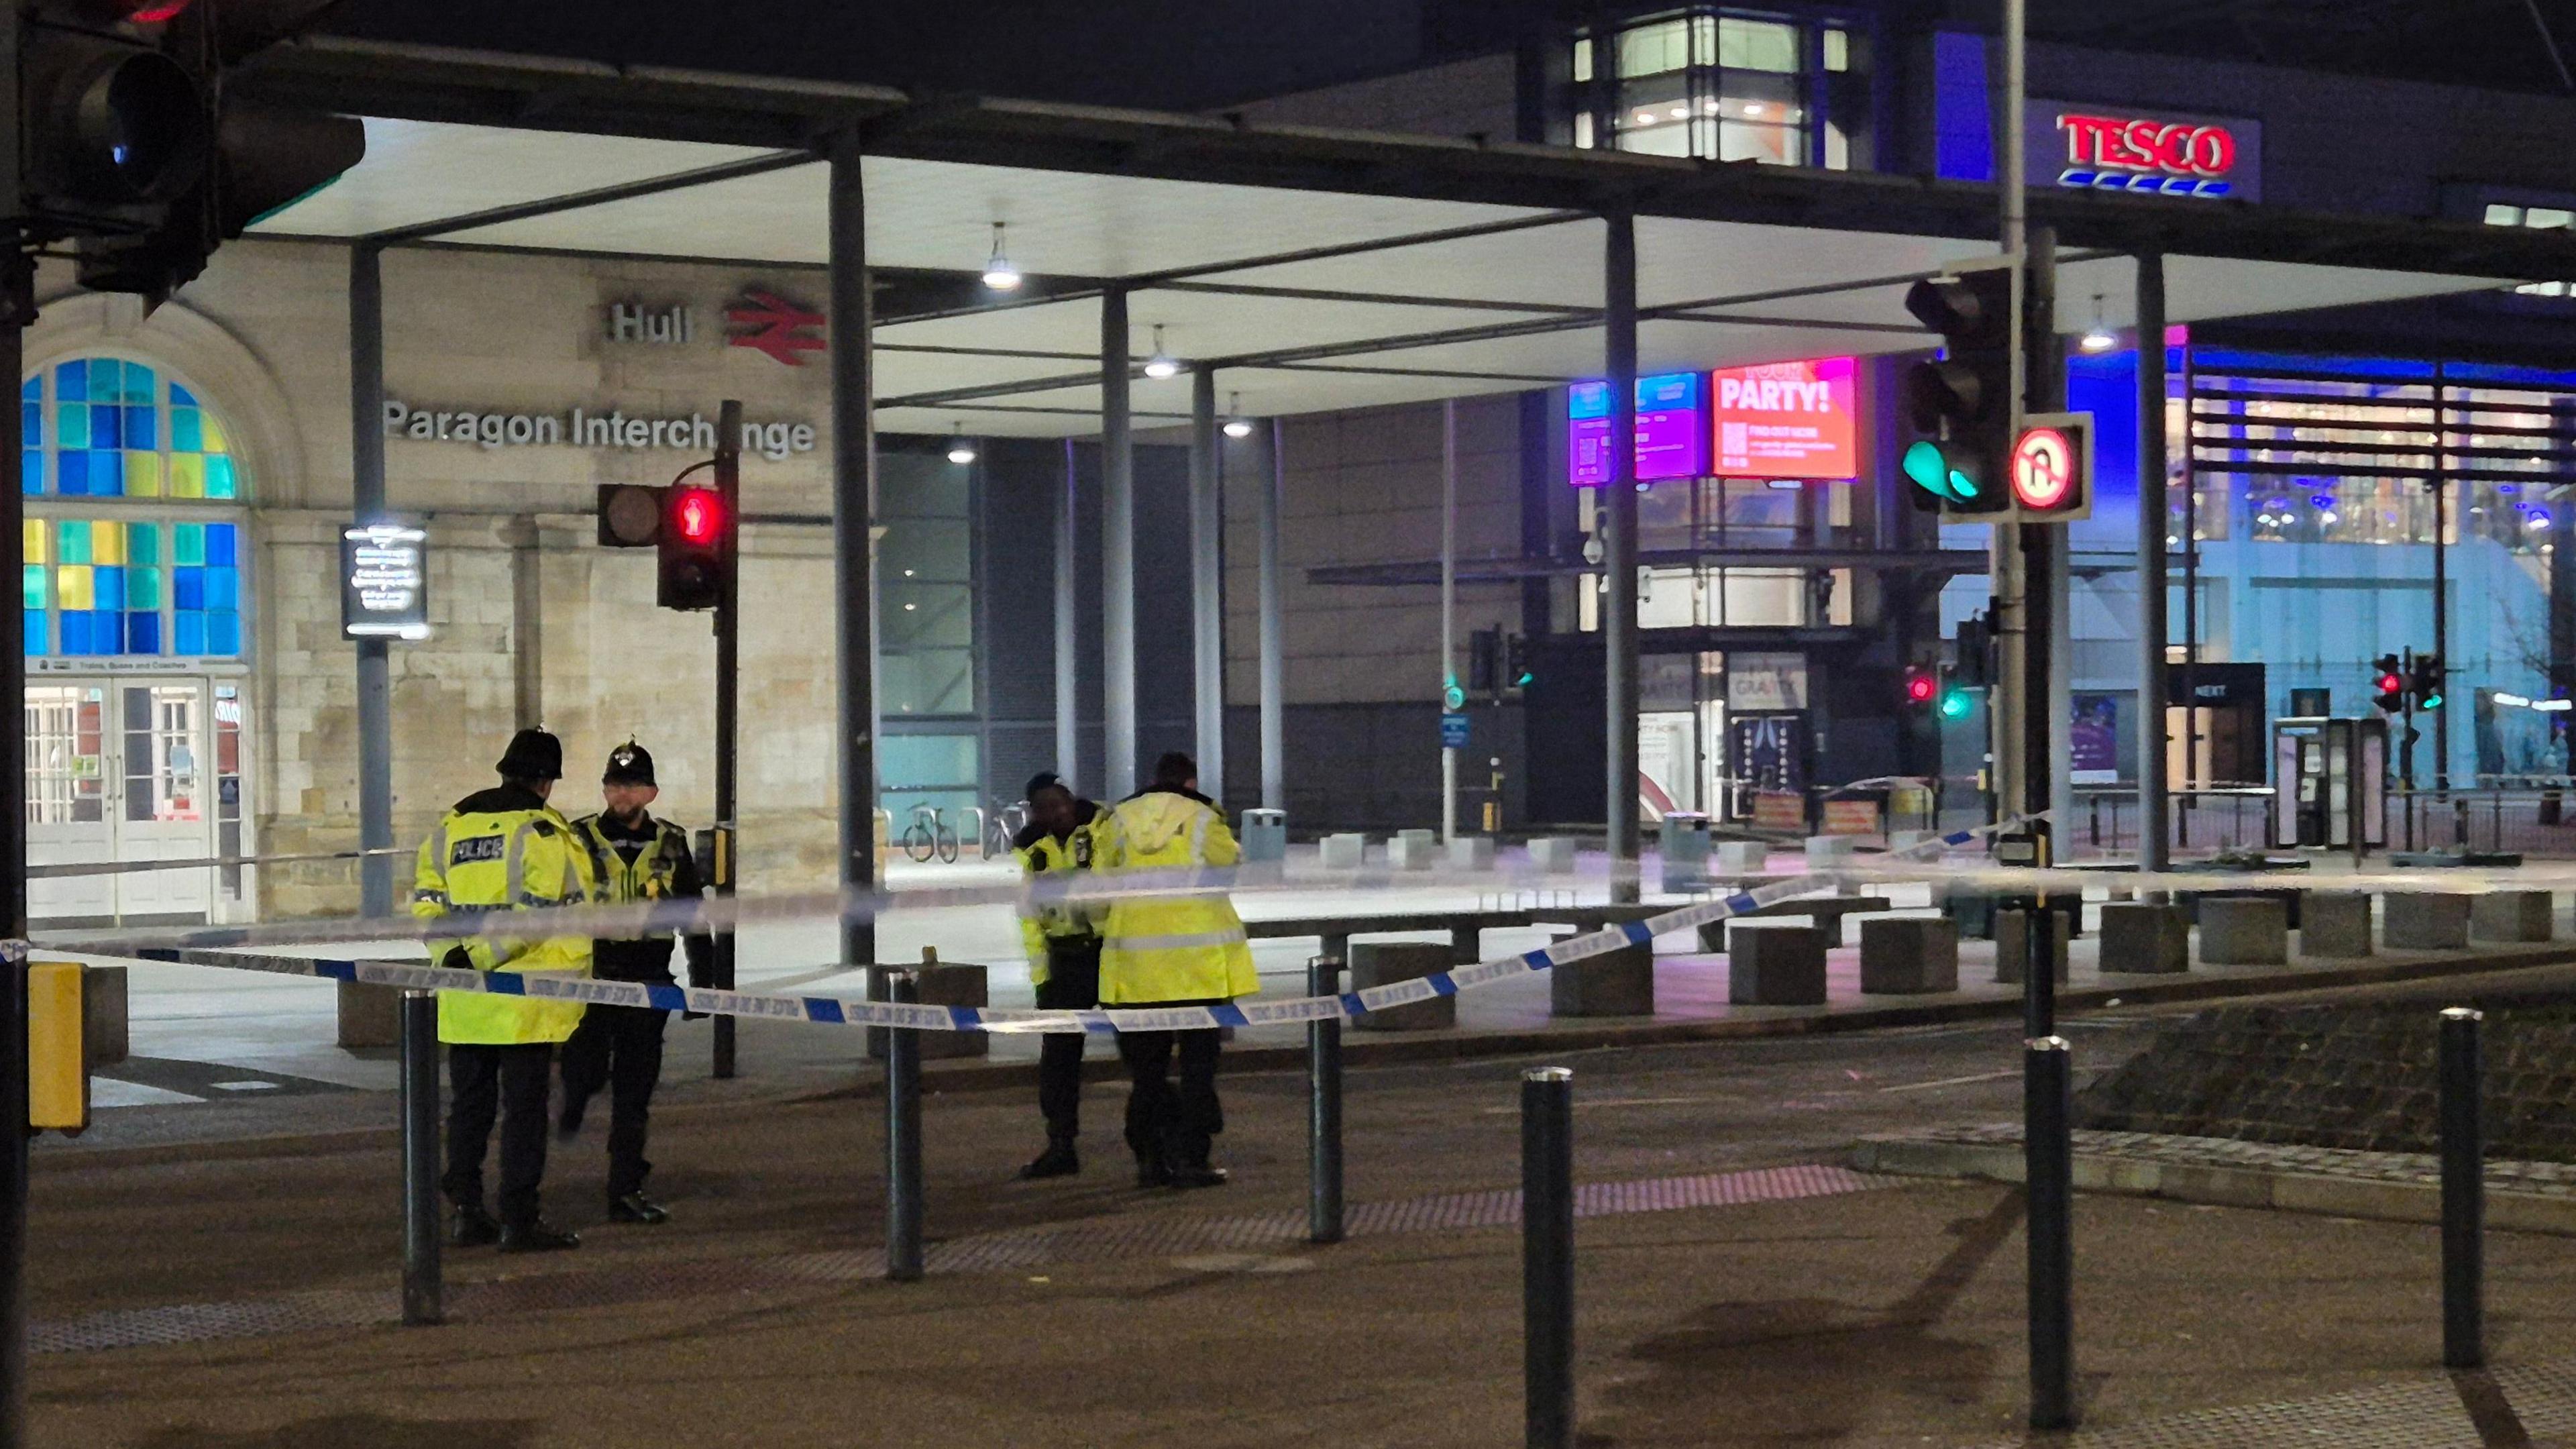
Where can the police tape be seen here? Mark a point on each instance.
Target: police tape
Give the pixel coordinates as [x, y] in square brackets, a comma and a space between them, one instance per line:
[843, 1011]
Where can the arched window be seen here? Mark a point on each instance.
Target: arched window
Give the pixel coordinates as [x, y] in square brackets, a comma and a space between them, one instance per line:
[157, 571]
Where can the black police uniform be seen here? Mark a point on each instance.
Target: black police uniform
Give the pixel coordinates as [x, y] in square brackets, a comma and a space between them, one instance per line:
[620, 1047]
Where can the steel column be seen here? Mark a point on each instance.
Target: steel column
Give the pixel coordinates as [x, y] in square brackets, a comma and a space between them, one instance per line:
[903, 1137]
[1324, 1109]
[2464, 1190]
[728, 631]
[2153, 508]
[424, 1290]
[1619, 544]
[854, 497]
[367, 505]
[16, 309]
[1207, 583]
[1068, 645]
[1117, 551]
[1448, 608]
[2048, 1165]
[1547, 1256]
[1274, 660]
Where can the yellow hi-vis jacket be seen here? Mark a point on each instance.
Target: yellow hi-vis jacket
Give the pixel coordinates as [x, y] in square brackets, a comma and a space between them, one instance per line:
[503, 849]
[1175, 947]
[1040, 854]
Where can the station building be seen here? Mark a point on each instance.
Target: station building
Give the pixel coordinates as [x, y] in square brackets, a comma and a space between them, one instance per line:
[187, 480]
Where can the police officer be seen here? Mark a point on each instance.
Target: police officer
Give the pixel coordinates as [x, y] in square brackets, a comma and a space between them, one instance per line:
[1171, 950]
[634, 857]
[503, 850]
[1064, 960]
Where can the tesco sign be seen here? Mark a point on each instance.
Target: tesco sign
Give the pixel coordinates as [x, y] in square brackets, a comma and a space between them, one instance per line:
[2099, 148]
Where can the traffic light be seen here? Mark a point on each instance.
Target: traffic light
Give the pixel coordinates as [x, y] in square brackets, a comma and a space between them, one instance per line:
[2426, 685]
[129, 149]
[630, 514]
[1517, 673]
[1957, 702]
[1920, 686]
[694, 539]
[1485, 661]
[1960, 404]
[2388, 674]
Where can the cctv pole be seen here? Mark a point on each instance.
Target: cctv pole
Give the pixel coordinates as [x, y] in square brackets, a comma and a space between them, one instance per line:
[728, 471]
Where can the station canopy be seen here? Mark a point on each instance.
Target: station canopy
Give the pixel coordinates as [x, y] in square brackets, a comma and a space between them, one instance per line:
[1314, 270]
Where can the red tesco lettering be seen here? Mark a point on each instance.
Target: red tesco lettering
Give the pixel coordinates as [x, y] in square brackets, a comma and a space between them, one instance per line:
[2177, 148]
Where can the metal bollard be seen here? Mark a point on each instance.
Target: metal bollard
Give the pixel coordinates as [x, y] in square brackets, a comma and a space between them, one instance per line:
[2039, 971]
[1547, 1254]
[903, 1138]
[1323, 1110]
[424, 1288]
[2048, 1167]
[2464, 1190]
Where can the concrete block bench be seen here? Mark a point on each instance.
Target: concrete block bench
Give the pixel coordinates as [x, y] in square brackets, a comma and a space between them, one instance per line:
[1382, 963]
[1472, 852]
[1828, 913]
[1775, 965]
[1743, 857]
[1412, 850]
[1344, 852]
[1552, 855]
[1621, 983]
[2244, 931]
[2141, 939]
[2511, 916]
[368, 1015]
[105, 1016]
[2424, 921]
[941, 984]
[1827, 852]
[2012, 947]
[1908, 955]
[2334, 925]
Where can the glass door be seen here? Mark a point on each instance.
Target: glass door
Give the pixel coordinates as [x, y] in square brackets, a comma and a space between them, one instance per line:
[67, 794]
[163, 811]
[121, 771]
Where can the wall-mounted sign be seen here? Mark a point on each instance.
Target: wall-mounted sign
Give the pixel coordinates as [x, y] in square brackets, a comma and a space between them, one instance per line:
[1672, 429]
[384, 582]
[2157, 153]
[766, 322]
[1765, 683]
[666, 326]
[1787, 420]
[581, 428]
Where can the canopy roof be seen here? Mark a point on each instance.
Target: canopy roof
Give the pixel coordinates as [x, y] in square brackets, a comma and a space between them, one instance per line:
[1317, 270]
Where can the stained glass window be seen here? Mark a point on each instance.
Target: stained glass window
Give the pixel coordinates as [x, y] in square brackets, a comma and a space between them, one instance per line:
[108, 427]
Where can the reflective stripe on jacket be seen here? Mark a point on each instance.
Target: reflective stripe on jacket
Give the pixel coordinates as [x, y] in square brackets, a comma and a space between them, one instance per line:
[503, 850]
[1179, 947]
[1038, 853]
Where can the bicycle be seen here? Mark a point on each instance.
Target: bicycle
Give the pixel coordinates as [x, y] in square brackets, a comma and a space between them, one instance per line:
[1002, 827]
[929, 835]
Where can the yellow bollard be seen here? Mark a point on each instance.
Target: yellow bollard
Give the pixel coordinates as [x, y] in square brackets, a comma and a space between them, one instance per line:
[57, 1062]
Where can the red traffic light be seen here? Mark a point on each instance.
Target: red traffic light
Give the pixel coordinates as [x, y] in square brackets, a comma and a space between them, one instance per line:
[2390, 684]
[155, 12]
[1920, 686]
[699, 513]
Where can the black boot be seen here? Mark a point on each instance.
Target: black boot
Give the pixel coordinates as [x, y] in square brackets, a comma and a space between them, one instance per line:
[1199, 1176]
[635, 1207]
[473, 1227]
[1153, 1172]
[1059, 1160]
[536, 1236]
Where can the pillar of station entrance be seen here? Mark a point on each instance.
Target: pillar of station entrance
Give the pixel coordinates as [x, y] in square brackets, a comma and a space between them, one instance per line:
[1068, 658]
[2152, 551]
[1207, 586]
[367, 505]
[1117, 552]
[854, 497]
[1274, 669]
[1619, 545]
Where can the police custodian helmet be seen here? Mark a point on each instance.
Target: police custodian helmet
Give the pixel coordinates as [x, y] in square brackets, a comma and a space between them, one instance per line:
[532, 755]
[628, 764]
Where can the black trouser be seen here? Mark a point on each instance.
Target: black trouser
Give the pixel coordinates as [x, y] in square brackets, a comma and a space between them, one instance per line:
[1171, 1127]
[620, 1048]
[1072, 984]
[512, 1081]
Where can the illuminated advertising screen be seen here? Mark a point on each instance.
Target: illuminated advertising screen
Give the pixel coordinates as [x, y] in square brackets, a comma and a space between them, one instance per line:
[1786, 420]
[1672, 429]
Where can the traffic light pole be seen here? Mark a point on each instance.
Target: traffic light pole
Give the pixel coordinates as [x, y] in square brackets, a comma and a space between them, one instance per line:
[728, 476]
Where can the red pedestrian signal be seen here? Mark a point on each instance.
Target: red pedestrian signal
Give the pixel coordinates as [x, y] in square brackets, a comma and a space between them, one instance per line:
[696, 549]
[2391, 681]
[699, 514]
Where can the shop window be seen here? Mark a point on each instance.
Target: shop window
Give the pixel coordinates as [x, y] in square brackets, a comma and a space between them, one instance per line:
[1722, 86]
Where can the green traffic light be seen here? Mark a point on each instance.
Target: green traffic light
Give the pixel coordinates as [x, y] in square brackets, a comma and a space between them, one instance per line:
[2431, 701]
[1963, 487]
[1928, 468]
[1955, 704]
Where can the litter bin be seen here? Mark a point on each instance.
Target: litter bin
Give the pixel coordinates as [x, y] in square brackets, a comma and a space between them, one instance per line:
[1685, 851]
[1265, 835]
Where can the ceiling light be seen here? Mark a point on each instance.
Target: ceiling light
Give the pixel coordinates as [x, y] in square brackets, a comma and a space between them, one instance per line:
[1161, 364]
[2100, 337]
[1236, 424]
[999, 274]
[1681, 113]
[959, 449]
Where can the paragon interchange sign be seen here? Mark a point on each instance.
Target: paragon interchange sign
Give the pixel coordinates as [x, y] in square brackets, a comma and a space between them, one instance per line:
[2157, 153]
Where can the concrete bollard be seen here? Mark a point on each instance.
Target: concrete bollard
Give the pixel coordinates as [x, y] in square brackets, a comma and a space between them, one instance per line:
[1383, 963]
[1344, 852]
[2510, 916]
[1908, 955]
[1621, 983]
[1768, 965]
[2145, 940]
[1829, 851]
[2011, 950]
[940, 984]
[1472, 852]
[1743, 857]
[1265, 836]
[2244, 931]
[1552, 855]
[2334, 925]
[1412, 850]
[2424, 921]
[368, 1015]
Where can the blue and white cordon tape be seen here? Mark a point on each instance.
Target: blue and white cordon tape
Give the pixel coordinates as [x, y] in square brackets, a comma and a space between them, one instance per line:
[844, 1011]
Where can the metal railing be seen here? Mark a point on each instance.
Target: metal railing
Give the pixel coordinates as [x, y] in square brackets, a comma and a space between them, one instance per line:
[2201, 821]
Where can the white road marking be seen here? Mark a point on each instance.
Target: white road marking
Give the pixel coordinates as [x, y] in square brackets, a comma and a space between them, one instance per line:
[1951, 1082]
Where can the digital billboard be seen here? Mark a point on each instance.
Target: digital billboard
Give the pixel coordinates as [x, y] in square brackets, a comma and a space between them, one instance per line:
[1786, 420]
[1672, 429]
